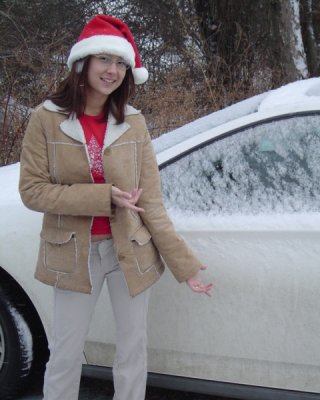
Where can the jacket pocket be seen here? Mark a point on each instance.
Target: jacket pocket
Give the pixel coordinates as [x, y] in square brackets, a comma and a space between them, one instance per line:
[59, 250]
[144, 250]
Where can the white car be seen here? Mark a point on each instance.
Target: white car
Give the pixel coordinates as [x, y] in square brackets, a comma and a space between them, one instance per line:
[242, 186]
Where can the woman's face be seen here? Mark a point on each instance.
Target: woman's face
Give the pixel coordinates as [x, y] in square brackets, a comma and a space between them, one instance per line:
[105, 75]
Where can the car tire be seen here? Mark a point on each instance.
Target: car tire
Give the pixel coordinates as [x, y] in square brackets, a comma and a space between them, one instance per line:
[15, 350]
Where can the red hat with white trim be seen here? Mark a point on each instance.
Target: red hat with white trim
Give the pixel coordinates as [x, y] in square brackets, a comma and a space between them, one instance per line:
[106, 34]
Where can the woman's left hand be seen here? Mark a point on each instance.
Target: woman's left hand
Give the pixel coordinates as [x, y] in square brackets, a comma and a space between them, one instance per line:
[126, 199]
[195, 283]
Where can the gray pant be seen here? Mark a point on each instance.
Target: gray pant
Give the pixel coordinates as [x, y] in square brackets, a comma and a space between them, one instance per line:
[72, 315]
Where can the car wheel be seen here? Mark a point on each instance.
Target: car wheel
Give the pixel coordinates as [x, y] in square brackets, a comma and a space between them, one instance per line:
[15, 350]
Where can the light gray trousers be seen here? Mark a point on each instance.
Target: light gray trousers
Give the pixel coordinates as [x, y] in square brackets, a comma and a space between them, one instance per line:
[72, 316]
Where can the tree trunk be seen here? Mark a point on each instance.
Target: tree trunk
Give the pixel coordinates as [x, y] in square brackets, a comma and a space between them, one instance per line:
[309, 37]
[258, 41]
[293, 57]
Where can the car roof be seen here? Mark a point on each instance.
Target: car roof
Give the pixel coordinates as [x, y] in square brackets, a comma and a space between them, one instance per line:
[299, 97]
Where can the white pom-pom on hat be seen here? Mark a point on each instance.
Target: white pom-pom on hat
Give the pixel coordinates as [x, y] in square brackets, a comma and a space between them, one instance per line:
[106, 34]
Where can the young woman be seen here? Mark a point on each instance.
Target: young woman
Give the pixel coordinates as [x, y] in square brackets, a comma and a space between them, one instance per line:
[88, 164]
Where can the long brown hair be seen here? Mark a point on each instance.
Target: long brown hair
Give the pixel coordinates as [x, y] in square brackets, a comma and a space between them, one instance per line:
[71, 93]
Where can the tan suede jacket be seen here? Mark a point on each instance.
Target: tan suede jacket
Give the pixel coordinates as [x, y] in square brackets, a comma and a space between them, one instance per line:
[55, 179]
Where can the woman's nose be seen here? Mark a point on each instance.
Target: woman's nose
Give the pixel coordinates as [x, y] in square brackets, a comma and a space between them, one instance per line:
[112, 67]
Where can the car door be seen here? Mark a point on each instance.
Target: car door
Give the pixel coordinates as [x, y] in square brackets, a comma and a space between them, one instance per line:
[247, 202]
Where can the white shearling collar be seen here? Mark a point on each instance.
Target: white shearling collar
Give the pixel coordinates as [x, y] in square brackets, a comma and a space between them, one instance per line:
[73, 128]
[50, 106]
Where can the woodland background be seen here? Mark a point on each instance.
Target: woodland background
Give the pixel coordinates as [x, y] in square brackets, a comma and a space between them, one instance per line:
[202, 55]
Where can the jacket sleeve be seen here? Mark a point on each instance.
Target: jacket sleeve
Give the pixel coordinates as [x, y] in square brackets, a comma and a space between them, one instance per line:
[39, 193]
[175, 252]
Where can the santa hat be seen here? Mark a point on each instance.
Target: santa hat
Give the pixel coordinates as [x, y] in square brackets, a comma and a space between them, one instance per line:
[106, 34]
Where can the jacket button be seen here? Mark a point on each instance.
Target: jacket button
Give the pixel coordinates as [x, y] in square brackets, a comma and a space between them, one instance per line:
[121, 257]
[107, 152]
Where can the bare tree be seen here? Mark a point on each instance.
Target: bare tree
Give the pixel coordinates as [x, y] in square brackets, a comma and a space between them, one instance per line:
[201, 54]
[309, 22]
[273, 40]
[293, 59]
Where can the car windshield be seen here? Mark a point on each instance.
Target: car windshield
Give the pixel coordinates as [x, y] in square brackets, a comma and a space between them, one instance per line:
[270, 167]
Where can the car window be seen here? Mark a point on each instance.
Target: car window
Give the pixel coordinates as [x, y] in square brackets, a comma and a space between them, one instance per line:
[270, 167]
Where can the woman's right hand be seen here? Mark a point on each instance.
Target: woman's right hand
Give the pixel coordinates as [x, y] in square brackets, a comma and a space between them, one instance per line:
[126, 199]
[195, 283]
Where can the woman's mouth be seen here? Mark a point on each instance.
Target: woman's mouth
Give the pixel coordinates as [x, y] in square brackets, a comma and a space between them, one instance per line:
[108, 81]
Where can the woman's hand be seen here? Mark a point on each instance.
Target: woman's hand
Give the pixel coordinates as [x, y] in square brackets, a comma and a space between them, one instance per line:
[126, 199]
[196, 284]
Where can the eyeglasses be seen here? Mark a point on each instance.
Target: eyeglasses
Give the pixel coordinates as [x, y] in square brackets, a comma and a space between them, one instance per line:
[108, 61]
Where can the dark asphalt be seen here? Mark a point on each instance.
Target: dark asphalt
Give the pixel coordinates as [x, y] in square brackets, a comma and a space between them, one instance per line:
[102, 390]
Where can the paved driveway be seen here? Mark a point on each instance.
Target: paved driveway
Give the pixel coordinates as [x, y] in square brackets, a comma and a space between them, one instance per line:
[102, 390]
[90, 389]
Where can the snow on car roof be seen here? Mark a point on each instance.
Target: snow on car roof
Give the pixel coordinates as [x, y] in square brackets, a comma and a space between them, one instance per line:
[306, 91]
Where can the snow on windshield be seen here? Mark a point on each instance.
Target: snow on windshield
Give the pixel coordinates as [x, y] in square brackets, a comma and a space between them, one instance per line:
[270, 168]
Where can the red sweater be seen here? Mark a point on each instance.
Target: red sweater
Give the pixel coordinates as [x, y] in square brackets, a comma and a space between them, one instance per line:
[94, 131]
